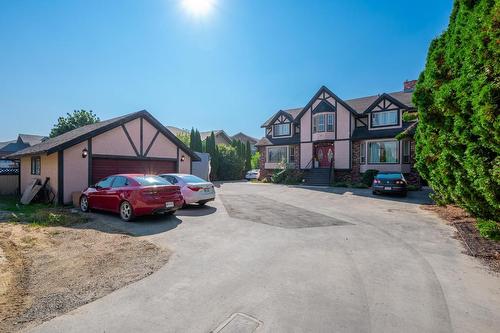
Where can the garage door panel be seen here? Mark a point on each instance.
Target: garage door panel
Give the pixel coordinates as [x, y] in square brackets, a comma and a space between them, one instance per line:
[103, 167]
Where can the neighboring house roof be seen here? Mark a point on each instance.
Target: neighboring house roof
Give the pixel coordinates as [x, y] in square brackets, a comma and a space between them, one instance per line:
[176, 130]
[83, 133]
[31, 139]
[244, 138]
[205, 135]
[363, 132]
[23, 141]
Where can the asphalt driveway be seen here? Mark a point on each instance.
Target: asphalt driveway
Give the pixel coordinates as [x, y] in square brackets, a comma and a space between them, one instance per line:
[288, 259]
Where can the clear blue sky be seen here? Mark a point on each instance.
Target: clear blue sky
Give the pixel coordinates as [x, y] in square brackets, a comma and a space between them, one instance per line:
[230, 69]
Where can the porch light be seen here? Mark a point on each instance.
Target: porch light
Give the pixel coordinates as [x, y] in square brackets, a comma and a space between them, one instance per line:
[85, 153]
[183, 158]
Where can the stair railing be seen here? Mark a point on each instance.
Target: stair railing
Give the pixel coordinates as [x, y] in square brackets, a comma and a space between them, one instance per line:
[310, 164]
[331, 177]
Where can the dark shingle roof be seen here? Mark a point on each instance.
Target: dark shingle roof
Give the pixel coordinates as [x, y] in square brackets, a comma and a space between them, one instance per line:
[85, 132]
[292, 112]
[265, 141]
[361, 104]
[362, 133]
[31, 139]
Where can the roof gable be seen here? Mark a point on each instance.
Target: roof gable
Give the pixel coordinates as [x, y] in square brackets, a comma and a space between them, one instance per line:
[83, 133]
[324, 94]
[385, 102]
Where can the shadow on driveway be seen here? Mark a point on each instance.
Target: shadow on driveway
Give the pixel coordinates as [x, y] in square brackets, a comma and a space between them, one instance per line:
[414, 197]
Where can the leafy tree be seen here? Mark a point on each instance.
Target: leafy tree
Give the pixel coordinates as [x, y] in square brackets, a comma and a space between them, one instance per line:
[195, 140]
[185, 138]
[231, 165]
[73, 120]
[211, 148]
[255, 162]
[457, 98]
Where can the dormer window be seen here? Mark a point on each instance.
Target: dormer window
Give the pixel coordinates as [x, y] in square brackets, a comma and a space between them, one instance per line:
[384, 118]
[282, 129]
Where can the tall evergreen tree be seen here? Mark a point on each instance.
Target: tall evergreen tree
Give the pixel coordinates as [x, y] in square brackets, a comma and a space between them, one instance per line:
[192, 140]
[457, 98]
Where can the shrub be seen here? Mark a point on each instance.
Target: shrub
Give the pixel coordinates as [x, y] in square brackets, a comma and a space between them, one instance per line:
[230, 165]
[287, 176]
[368, 176]
[360, 185]
[457, 98]
[489, 229]
[340, 184]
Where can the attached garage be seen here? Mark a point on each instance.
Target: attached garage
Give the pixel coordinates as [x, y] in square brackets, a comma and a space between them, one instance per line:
[134, 143]
[103, 167]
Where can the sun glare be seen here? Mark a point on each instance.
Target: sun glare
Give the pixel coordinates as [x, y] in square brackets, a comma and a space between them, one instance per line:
[198, 7]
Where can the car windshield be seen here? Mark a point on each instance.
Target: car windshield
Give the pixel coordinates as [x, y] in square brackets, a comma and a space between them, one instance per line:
[388, 175]
[192, 179]
[151, 180]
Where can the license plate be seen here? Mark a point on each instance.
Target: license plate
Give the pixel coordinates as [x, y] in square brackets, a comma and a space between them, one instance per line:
[387, 188]
[169, 204]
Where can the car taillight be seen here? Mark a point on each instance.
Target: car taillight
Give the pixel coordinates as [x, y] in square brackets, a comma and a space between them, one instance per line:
[376, 181]
[400, 182]
[194, 188]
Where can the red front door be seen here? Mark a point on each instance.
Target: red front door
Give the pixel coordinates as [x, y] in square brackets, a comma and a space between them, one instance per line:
[324, 155]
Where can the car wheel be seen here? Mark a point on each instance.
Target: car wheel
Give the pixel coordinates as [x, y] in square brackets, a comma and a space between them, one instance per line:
[126, 211]
[84, 204]
[202, 203]
[374, 192]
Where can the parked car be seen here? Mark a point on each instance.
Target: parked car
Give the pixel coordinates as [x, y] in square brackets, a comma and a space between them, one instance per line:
[132, 195]
[252, 174]
[193, 188]
[389, 182]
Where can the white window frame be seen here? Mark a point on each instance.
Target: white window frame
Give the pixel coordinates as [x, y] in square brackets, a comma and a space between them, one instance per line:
[398, 152]
[275, 126]
[362, 153]
[406, 158]
[287, 160]
[321, 122]
[379, 114]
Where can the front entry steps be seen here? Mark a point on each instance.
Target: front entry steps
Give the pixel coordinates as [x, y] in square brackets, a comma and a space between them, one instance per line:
[317, 177]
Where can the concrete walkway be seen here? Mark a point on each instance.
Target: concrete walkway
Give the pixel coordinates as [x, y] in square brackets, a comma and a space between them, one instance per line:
[288, 259]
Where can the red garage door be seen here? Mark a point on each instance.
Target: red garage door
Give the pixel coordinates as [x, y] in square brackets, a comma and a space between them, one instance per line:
[103, 167]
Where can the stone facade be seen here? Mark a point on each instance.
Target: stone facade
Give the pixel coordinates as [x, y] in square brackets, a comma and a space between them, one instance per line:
[265, 173]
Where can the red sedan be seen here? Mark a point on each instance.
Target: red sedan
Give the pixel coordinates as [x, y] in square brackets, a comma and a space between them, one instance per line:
[132, 195]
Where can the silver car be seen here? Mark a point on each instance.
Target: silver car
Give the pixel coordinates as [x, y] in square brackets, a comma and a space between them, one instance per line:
[193, 188]
[252, 174]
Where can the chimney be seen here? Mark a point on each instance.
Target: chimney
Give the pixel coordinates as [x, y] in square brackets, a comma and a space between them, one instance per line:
[409, 86]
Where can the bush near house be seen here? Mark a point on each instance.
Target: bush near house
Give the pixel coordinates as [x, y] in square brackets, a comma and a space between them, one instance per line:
[368, 176]
[457, 99]
[287, 176]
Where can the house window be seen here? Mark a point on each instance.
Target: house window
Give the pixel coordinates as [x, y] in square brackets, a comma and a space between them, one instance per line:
[281, 154]
[385, 118]
[36, 165]
[281, 129]
[362, 153]
[383, 152]
[406, 151]
[323, 122]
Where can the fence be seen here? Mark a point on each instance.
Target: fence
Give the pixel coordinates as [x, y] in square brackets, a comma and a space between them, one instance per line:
[9, 181]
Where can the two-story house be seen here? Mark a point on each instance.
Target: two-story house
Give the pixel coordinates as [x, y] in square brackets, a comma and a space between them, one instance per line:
[346, 137]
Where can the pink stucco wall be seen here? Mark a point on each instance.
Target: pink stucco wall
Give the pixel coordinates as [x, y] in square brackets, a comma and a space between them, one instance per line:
[112, 142]
[75, 170]
[305, 126]
[48, 168]
[134, 130]
[342, 152]
[149, 132]
[343, 129]
[163, 147]
[323, 136]
[184, 166]
[306, 151]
